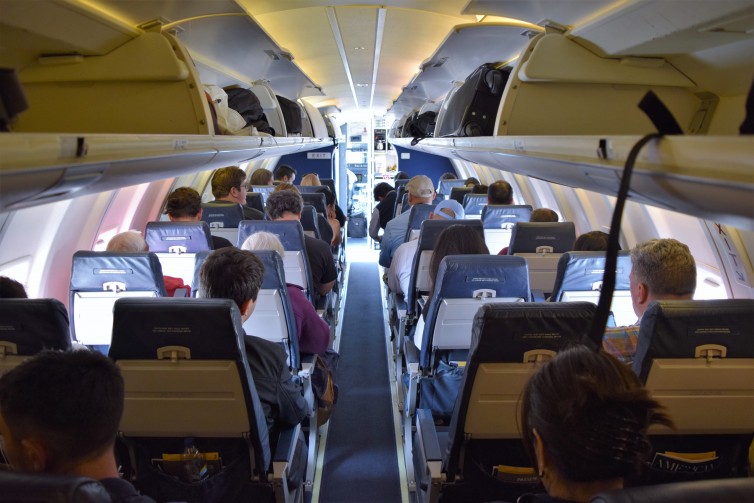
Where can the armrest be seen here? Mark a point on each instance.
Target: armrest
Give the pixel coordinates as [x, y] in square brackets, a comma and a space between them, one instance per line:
[282, 461]
[427, 433]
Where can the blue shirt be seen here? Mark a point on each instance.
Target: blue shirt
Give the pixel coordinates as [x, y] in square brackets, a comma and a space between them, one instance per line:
[394, 236]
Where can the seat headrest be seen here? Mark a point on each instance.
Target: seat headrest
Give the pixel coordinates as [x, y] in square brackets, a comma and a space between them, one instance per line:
[193, 236]
[34, 325]
[470, 199]
[431, 229]
[210, 328]
[316, 199]
[458, 193]
[676, 328]
[459, 276]
[134, 271]
[533, 237]
[254, 200]
[290, 232]
[583, 272]
[196, 283]
[495, 216]
[504, 332]
[227, 215]
[274, 271]
[445, 186]
[419, 213]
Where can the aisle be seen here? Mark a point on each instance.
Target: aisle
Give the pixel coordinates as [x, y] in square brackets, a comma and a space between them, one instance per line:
[360, 462]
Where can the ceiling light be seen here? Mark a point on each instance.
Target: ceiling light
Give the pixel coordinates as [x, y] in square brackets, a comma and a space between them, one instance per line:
[359, 48]
[362, 85]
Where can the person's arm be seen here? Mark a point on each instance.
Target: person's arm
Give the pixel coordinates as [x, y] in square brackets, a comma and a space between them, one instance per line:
[314, 334]
[335, 232]
[385, 247]
[374, 225]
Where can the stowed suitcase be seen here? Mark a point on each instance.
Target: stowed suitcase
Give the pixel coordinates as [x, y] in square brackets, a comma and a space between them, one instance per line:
[291, 115]
[472, 109]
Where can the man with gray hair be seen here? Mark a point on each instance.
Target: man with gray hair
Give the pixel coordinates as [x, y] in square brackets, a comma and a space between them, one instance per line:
[127, 242]
[420, 191]
[661, 269]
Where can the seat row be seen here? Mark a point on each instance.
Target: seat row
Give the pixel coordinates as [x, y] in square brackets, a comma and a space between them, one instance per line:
[186, 376]
[693, 357]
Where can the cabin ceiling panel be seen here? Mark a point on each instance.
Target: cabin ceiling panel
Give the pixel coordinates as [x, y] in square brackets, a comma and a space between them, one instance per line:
[565, 12]
[726, 70]
[668, 27]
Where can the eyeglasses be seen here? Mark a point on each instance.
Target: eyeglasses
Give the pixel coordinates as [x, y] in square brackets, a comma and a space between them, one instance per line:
[243, 186]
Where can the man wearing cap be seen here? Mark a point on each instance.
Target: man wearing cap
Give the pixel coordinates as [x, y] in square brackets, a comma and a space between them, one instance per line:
[420, 191]
[399, 274]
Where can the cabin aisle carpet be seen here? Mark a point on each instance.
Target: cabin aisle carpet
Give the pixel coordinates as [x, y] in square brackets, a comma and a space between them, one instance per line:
[360, 463]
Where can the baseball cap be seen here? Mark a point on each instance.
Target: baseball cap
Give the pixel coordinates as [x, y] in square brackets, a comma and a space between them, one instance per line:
[420, 186]
[452, 205]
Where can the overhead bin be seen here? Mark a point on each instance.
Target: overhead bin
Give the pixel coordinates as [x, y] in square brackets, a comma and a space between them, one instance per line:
[559, 87]
[148, 85]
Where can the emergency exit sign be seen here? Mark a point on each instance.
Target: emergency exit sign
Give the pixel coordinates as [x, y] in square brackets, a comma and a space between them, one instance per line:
[318, 155]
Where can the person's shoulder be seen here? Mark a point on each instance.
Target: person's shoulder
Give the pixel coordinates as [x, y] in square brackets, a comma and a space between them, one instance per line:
[220, 242]
[317, 244]
[264, 348]
[121, 491]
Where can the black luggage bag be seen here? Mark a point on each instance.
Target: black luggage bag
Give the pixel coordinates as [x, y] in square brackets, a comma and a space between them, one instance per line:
[291, 115]
[473, 108]
[246, 103]
[357, 226]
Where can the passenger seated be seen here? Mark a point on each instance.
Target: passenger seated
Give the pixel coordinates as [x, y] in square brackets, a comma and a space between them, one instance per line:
[420, 191]
[284, 174]
[261, 176]
[313, 332]
[237, 275]
[538, 215]
[500, 192]
[287, 205]
[185, 205]
[59, 413]
[11, 289]
[455, 240]
[661, 269]
[384, 197]
[229, 186]
[592, 241]
[399, 274]
[331, 217]
[584, 419]
[132, 242]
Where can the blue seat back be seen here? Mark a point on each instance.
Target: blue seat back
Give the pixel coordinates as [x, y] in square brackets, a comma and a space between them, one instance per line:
[265, 190]
[309, 221]
[696, 357]
[507, 338]
[463, 284]
[255, 200]
[473, 204]
[98, 279]
[30, 326]
[291, 235]
[400, 190]
[194, 351]
[223, 220]
[458, 193]
[308, 189]
[222, 216]
[418, 214]
[542, 237]
[316, 199]
[178, 237]
[503, 216]
[445, 186]
[579, 277]
[196, 283]
[176, 243]
[273, 318]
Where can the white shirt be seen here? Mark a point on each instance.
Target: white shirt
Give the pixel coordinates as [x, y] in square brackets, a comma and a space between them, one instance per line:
[399, 274]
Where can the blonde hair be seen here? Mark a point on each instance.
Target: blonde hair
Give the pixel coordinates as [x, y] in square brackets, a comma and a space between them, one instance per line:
[263, 240]
[312, 179]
